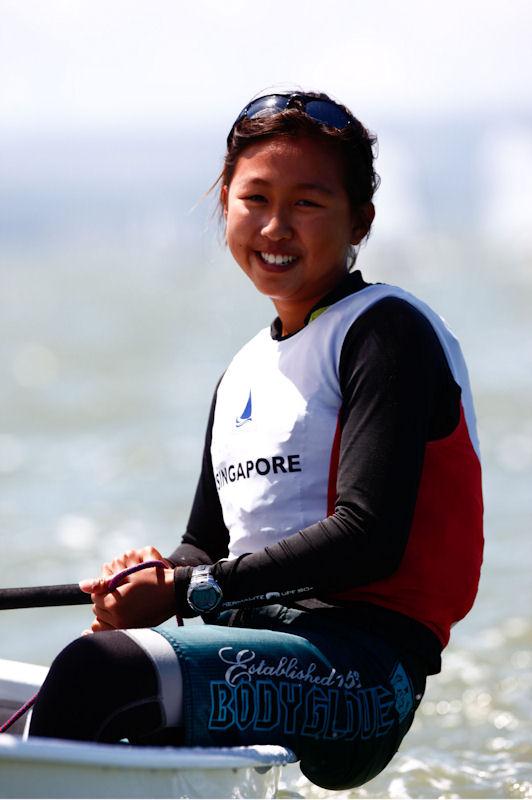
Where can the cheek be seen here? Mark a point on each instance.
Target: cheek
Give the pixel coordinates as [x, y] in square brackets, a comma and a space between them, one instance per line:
[235, 237]
[237, 227]
[231, 230]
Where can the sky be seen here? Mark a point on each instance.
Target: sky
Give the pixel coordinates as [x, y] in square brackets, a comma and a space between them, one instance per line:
[94, 63]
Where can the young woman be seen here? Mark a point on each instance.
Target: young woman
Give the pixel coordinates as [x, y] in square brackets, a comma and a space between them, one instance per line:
[340, 484]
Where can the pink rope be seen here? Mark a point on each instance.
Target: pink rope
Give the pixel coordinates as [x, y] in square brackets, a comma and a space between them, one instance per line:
[115, 581]
[18, 714]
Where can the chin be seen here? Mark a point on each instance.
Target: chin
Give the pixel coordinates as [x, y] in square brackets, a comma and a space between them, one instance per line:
[269, 283]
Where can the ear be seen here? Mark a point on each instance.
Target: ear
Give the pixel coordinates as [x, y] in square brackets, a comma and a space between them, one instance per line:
[224, 196]
[362, 220]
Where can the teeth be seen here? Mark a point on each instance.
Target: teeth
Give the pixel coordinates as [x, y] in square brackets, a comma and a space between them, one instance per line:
[270, 258]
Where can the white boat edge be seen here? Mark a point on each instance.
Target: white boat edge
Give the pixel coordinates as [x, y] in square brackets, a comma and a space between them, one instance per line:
[112, 755]
[19, 681]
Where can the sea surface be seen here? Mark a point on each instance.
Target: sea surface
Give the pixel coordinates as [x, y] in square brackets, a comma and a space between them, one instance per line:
[109, 352]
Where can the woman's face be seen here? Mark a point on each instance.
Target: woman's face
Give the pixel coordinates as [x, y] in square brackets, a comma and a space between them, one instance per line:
[290, 222]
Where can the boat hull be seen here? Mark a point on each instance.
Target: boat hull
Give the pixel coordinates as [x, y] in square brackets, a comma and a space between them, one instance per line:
[54, 768]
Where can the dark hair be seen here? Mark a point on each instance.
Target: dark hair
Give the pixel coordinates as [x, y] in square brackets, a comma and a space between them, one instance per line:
[355, 145]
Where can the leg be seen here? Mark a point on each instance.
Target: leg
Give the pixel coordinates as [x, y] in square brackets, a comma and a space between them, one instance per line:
[106, 687]
[341, 698]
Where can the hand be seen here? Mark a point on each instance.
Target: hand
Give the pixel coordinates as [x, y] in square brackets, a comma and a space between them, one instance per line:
[144, 599]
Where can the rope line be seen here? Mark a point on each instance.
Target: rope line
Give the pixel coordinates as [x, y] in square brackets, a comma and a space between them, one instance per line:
[19, 713]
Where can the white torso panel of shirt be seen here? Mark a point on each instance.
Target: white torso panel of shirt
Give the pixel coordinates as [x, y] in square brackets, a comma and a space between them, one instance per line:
[276, 416]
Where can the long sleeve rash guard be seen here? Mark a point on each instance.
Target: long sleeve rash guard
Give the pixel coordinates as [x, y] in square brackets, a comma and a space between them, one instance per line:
[398, 394]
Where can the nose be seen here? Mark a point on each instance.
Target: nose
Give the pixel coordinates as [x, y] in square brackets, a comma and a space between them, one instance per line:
[277, 226]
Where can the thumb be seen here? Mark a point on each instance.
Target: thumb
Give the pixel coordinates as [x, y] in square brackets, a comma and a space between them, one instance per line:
[93, 586]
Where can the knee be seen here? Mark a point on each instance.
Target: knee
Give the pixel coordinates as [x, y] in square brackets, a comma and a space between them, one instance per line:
[98, 660]
[60, 693]
[72, 668]
[68, 704]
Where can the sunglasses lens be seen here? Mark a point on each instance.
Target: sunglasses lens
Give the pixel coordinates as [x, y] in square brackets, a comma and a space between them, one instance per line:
[271, 104]
[326, 112]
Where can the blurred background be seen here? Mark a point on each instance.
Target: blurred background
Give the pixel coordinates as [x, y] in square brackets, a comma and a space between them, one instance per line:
[119, 306]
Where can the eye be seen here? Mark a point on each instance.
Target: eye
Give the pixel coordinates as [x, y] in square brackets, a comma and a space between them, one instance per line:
[307, 203]
[255, 198]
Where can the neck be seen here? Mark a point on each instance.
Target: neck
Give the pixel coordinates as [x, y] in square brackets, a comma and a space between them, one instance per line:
[293, 315]
[292, 319]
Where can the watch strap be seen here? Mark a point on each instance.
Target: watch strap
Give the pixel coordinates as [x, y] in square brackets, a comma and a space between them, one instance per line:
[182, 576]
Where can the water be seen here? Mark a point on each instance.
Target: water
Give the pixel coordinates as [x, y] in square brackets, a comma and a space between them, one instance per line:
[109, 354]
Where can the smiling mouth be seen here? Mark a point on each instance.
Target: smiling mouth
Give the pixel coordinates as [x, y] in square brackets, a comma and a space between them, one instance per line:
[276, 260]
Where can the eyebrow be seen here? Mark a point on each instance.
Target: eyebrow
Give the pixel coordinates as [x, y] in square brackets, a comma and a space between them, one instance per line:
[306, 186]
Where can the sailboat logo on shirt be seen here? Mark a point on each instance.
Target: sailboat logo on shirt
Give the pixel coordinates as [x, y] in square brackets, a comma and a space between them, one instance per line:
[245, 415]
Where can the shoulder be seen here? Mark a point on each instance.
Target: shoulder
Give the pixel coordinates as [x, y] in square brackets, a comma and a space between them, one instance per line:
[397, 322]
[383, 309]
[393, 354]
[395, 333]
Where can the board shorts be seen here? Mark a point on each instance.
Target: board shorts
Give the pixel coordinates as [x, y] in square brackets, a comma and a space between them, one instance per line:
[341, 698]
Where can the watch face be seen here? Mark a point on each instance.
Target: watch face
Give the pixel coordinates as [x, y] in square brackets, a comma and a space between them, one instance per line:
[205, 598]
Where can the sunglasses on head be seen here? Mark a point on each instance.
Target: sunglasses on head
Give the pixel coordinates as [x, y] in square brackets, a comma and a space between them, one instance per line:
[325, 111]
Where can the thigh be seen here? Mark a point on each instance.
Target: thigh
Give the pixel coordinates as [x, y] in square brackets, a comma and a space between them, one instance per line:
[341, 702]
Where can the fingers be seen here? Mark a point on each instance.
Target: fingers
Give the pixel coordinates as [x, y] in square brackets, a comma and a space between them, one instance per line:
[98, 624]
[106, 609]
[117, 565]
[152, 554]
[130, 559]
[93, 585]
[96, 627]
[148, 553]
[107, 570]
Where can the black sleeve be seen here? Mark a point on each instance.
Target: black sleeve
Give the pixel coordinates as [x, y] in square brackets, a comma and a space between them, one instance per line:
[206, 539]
[398, 393]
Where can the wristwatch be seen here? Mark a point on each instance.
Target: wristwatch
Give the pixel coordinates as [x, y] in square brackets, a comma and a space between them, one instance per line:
[204, 593]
